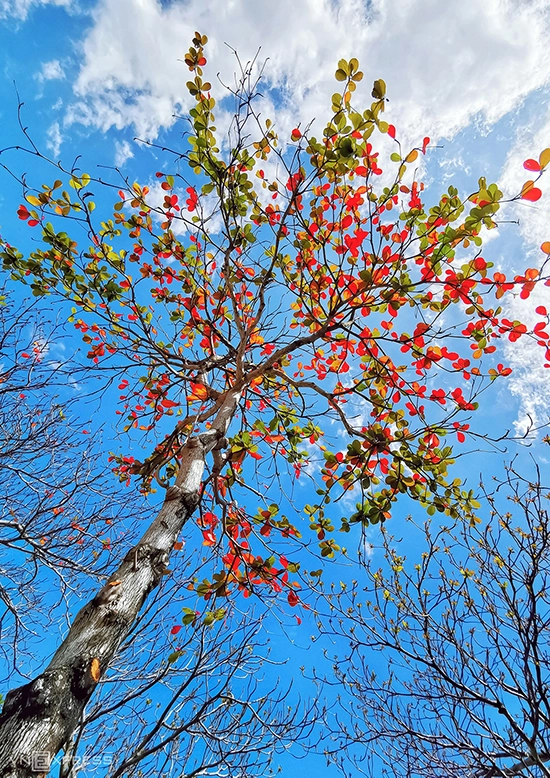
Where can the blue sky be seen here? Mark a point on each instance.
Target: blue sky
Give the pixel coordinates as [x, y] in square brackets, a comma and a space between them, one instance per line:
[474, 76]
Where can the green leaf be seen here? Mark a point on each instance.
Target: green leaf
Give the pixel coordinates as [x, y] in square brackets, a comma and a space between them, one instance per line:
[379, 89]
[343, 65]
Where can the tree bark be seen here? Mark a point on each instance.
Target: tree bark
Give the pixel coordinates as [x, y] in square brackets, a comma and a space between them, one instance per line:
[39, 718]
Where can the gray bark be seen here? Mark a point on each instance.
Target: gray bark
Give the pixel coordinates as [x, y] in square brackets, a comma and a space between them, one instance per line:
[39, 718]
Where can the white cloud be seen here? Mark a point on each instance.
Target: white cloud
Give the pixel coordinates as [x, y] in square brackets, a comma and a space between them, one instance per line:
[530, 380]
[444, 65]
[123, 152]
[54, 139]
[20, 9]
[50, 71]
[183, 223]
[534, 218]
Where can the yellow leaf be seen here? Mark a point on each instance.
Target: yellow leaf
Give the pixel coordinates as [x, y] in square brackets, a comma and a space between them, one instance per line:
[95, 670]
[411, 156]
[544, 158]
[256, 337]
[33, 200]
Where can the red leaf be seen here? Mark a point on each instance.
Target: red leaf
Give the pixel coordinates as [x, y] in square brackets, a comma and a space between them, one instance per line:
[175, 629]
[541, 310]
[531, 164]
[293, 599]
[391, 131]
[23, 213]
[532, 194]
[166, 403]
[209, 539]
[425, 143]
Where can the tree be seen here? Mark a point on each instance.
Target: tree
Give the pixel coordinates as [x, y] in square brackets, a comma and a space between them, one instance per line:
[300, 289]
[461, 629]
[209, 709]
[56, 514]
[52, 499]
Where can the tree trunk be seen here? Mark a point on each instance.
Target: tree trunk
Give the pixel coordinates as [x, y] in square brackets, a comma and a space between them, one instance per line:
[39, 718]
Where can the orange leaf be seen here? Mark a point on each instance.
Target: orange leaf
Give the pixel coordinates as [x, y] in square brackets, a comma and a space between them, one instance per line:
[95, 671]
[198, 392]
[546, 247]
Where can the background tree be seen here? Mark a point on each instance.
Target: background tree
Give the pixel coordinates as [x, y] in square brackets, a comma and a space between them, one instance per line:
[56, 507]
[460, 630]
[205, 708]
[215, 706]
[311, 291]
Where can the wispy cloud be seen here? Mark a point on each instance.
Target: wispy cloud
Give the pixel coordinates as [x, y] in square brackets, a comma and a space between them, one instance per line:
[54, 139]
[123, 152]
[20, 9]
[50, 71]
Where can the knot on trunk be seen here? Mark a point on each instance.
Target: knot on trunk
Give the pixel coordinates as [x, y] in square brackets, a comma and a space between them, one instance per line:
[35, 698]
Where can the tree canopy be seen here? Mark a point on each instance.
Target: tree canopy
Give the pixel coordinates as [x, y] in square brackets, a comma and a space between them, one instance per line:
[272, 311]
